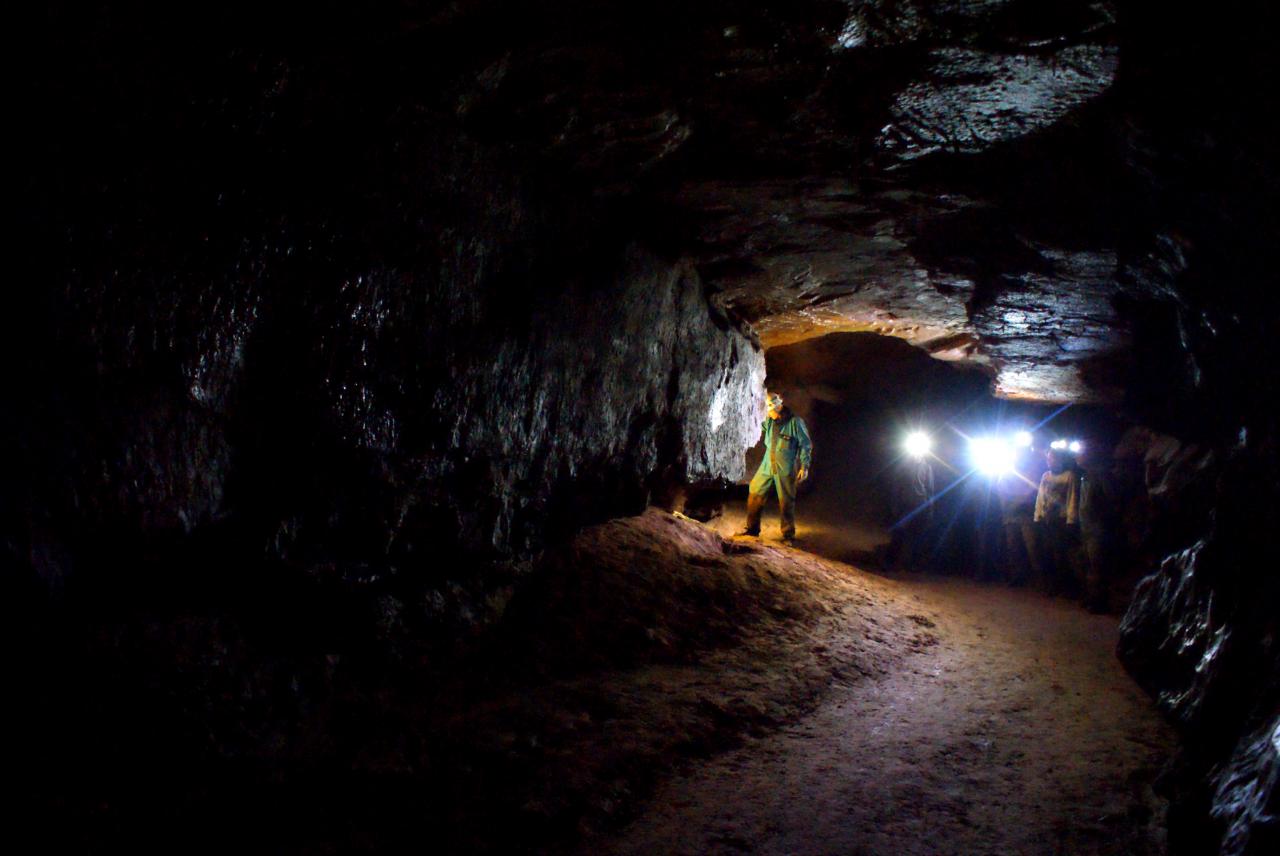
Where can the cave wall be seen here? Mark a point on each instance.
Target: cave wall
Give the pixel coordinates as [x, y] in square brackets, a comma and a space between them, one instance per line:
[1200, 633]
[277, 288]
[302, 381]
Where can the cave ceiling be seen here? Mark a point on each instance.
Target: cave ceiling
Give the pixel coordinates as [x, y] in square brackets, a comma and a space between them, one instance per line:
[944, 172]
[1049, 191]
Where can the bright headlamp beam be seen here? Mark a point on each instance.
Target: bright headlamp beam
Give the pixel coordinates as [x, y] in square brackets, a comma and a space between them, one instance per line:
[918, 444]
[992, 456]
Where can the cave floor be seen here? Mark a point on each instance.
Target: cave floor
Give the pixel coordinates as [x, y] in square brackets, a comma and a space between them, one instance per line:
[823, 528]
[1014, 731]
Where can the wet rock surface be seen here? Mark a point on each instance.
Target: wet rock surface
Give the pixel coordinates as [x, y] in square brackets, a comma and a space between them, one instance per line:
[978, 253]
[1201, 635]
[889, 166]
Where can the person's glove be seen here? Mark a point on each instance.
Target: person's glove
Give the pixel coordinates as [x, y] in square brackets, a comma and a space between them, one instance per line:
[803, 474]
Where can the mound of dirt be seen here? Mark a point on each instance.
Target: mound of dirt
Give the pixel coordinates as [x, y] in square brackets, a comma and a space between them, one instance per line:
[661, 588]
[651, 641]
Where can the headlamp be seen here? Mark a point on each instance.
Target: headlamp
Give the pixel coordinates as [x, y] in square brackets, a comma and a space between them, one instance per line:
[992, 456]
[918, 444]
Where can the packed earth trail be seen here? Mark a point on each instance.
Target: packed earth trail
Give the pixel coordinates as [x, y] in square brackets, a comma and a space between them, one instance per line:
[1016, 732]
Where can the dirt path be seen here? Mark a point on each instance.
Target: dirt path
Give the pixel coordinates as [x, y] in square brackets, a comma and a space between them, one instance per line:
[1017, 732]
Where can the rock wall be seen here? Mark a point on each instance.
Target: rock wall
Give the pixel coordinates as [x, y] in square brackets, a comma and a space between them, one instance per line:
[362, 431]
[1202, 636]
[281, 291]
[301, 380]
[1201, 631]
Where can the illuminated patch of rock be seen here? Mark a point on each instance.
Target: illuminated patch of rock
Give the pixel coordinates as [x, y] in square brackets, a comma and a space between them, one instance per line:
[973, 101]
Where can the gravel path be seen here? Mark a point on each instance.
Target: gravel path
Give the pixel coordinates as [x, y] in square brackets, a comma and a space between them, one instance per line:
[1016, 732]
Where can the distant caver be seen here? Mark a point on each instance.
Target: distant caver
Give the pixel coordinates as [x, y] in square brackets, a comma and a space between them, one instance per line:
[788, 452]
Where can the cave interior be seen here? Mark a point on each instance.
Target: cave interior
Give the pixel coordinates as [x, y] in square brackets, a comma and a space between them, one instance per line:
[360, 358]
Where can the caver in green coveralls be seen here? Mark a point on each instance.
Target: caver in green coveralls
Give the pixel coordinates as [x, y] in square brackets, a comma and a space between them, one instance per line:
[788, 452]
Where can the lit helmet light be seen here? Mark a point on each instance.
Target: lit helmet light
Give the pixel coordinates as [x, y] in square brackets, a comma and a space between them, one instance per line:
[1075, 446]
[1060, 445]
[918, 444]
[992, 456]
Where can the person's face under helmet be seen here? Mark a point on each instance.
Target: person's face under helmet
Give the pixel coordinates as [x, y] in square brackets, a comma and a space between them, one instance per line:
[774, 403]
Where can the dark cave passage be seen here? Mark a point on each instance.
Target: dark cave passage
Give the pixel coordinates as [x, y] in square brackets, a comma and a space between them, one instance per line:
[359, 360]
[857, 506]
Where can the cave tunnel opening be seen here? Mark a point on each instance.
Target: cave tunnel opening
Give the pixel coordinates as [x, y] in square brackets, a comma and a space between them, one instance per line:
[865, 396]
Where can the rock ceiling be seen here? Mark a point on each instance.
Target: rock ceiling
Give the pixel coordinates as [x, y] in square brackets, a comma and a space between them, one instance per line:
[944, 172]
[986, 179]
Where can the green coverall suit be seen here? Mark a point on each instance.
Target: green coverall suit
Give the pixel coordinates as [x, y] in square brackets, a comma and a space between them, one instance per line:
[787, 450]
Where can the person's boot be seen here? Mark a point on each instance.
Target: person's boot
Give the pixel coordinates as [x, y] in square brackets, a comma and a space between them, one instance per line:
[755, 508]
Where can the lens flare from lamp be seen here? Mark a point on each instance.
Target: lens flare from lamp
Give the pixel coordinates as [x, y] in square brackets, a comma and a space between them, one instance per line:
[918, 444]
[1023, 439]
[992, 456]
